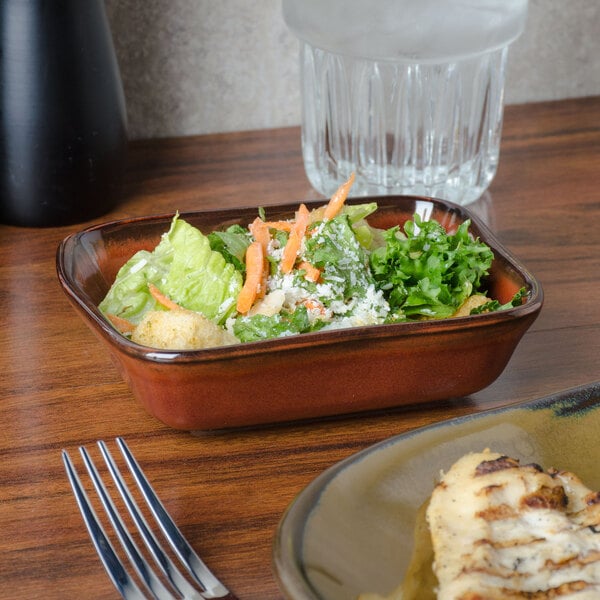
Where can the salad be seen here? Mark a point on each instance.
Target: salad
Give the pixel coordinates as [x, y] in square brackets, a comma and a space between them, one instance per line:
[323, 269]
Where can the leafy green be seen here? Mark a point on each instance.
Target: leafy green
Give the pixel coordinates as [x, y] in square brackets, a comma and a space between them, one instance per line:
[183, 267]
[335, 249]
[231, 244]
[494, 305]
[129, 296]
[260, 327]
[359, 212]
[426, 272]
[367, 276]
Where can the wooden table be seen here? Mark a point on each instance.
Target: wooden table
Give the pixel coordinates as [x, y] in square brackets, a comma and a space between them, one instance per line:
[228, 490]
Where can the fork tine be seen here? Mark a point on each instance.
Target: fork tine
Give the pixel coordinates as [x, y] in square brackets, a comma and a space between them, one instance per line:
[196, 567]
[154, 584]
[114, 567]
[118, 575]
[164, 562]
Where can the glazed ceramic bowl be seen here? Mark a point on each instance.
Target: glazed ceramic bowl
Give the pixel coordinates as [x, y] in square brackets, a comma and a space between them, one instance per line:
[357, 369]
[352, 530]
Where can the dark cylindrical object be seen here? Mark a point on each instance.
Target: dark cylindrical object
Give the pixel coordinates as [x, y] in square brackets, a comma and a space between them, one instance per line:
[62, 113]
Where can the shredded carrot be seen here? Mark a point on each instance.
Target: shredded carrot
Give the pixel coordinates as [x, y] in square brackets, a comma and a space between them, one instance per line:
[260, 232]
[281, 225]
[337, 200]
[162, 298]
[292, 247]
[254, 275]
[121, 324]
[312, 273]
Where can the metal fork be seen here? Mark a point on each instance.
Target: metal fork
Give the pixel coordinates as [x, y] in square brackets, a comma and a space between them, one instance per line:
[173, 584]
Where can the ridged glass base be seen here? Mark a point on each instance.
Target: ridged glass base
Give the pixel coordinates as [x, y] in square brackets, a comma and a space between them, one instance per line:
[426, 129]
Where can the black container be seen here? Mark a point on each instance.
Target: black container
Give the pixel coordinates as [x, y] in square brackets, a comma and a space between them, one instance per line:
[63, 133]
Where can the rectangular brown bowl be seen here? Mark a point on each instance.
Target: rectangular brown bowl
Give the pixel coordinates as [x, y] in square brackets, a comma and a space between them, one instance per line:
[308, 375]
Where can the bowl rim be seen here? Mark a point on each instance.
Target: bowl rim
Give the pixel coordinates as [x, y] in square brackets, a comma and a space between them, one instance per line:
[101, 325]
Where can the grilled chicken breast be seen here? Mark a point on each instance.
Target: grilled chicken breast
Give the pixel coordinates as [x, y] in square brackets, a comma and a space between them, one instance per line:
[502, 531]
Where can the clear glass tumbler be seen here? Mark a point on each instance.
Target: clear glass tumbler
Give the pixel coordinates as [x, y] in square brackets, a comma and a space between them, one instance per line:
[409, 94]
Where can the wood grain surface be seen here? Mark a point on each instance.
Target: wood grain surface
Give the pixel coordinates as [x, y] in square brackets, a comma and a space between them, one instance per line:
[227, 490]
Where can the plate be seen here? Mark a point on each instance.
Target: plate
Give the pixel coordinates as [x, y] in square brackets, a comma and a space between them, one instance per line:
[351, 530]
[273, 380]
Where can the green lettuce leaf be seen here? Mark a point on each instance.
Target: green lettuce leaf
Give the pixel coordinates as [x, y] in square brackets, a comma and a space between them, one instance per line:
[261, 327]
[494, 305]
[356, 215]
[185, 268]
[426, 272]
[344, 261]
[129, 297]
[231, 244]
[359, 212]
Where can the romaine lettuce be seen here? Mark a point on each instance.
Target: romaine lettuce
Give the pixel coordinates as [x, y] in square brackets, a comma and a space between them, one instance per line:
[232, 244]
[185, 268]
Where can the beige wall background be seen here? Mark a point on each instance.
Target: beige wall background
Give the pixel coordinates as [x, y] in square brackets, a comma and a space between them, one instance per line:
[204, 66]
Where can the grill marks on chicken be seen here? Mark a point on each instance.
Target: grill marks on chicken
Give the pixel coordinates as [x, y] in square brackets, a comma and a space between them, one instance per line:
[501, 531]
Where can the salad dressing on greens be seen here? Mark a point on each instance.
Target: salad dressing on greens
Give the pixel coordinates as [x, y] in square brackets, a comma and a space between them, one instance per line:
[322, 269]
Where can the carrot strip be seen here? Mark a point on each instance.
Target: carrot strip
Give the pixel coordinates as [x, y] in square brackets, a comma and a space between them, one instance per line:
[337, 200]
[260, 232]
[121, 324]
[292, 247]
[162, 298]
[281, 225]
[254, 274]
[312, 273]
